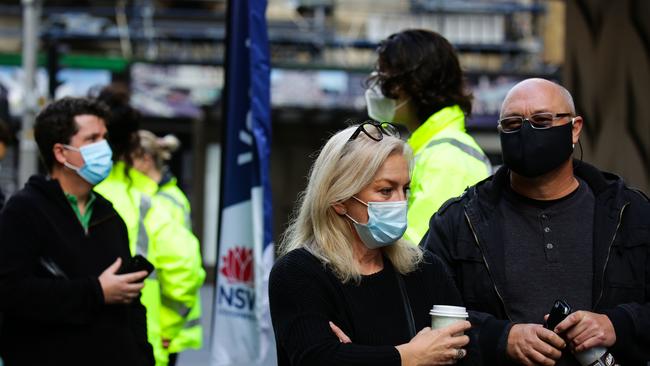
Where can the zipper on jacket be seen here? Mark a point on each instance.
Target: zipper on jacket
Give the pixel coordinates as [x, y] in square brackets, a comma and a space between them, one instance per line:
[487, 266]
[609, 251]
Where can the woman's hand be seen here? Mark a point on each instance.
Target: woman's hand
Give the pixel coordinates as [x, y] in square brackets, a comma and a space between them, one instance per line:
[343, 338]
[435, 347]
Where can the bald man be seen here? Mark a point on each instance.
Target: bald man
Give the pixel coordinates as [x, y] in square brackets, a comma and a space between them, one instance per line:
[547, 227]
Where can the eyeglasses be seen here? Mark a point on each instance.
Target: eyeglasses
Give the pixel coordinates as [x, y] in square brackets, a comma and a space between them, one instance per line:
[539, 121]
[376, 130]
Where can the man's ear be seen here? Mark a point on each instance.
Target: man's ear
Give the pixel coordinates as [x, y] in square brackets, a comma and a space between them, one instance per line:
[340, 208]
[577, 129]
[58, 152]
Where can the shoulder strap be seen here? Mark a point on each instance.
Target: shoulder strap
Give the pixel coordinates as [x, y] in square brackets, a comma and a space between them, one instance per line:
[407, 304]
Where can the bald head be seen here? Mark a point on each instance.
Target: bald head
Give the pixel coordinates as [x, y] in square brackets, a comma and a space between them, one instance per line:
[535, 96]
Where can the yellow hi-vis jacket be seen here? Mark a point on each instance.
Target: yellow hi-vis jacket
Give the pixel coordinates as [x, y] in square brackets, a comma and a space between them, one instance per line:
[447, 160]
[154, 234]
[191, 333]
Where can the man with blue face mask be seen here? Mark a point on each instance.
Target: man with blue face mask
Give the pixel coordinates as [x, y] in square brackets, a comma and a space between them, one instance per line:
[61, 250]
[419, 84]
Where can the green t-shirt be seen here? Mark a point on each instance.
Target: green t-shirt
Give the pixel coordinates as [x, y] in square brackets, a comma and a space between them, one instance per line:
[85, 218]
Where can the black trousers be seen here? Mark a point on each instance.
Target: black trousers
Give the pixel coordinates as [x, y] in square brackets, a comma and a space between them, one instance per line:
[172, 359]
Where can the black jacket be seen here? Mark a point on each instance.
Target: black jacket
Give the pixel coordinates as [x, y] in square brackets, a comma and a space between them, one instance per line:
[465, 234]
[54, 310]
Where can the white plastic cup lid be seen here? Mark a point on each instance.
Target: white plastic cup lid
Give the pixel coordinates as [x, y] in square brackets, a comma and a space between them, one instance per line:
[450, 311]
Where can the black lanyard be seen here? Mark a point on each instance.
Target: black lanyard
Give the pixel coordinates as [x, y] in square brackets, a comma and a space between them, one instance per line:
[407, 304]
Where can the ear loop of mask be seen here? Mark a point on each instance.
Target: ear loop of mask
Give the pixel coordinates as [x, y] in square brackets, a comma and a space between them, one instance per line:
[377, 91]
[68, 165]
[579, 145]
[398, 106]
[350, 217]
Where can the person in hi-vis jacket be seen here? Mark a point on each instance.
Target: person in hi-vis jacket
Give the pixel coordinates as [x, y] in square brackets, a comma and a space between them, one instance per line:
[418, 83]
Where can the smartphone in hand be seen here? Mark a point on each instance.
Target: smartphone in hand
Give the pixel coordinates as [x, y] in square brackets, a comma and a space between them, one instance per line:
[559, 312]
[135, 264]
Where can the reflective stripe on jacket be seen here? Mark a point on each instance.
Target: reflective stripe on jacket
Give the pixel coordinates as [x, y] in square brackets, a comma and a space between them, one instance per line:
[181, 205]
[447, 160]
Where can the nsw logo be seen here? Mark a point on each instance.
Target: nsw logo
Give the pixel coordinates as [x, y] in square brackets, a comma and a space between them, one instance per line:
[236, 294]
[237, 265]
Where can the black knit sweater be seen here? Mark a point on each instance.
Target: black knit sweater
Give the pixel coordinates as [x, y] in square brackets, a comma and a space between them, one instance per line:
[305, 295]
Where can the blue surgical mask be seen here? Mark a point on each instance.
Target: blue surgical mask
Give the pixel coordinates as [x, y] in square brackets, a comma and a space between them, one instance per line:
[97, 161]
[386, 223]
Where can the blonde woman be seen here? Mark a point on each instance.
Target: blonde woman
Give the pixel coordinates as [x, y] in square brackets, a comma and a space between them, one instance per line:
[347, 290]
[152, 159]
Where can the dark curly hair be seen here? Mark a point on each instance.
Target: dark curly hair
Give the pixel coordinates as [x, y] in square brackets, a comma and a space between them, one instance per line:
[123, 122]
[424, 65]
[56, 124]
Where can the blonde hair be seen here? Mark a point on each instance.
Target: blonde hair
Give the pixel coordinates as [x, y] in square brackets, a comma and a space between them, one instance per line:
[342, 169]
[160, 149]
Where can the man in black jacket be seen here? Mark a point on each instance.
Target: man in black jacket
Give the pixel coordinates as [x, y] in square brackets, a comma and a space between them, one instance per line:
[62, 246]
[546, 227]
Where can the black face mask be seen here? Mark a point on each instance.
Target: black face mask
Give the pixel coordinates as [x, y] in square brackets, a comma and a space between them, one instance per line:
[530, 152]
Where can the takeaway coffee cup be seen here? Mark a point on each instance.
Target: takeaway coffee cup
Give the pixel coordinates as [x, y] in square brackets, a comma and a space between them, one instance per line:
[445, 315]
